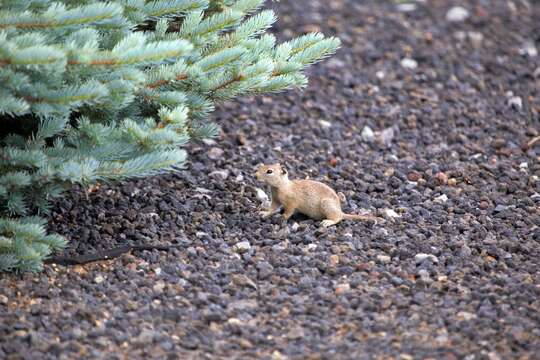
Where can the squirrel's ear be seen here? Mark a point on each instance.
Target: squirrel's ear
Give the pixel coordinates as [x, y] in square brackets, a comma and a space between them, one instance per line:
[284, 168]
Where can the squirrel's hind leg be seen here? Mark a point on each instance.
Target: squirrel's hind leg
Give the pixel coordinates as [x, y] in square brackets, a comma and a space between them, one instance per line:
[331, 212]
[328, 222]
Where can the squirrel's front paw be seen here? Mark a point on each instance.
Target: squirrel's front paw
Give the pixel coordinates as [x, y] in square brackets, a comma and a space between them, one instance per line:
[265, 214]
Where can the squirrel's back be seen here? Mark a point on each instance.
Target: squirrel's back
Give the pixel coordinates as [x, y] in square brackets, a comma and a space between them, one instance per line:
[312, 188]
[309, 196]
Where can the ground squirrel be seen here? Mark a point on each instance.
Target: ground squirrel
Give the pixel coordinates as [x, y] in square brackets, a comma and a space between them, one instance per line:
[311, 198]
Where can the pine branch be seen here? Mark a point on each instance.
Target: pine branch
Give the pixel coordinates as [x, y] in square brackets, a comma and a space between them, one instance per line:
[163, 82]
[147, 53]
[225, 84]
[173, 7]
[107, 90]
[58, 16]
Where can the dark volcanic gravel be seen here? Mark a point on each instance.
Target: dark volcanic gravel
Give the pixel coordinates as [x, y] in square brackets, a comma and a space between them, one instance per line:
[453, 273]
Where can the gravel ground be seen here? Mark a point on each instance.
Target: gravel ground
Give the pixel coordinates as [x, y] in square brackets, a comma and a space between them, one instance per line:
[453, 273]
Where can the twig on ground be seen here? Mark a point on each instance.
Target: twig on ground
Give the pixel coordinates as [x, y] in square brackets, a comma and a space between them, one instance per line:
[533, 141]
[105, 254]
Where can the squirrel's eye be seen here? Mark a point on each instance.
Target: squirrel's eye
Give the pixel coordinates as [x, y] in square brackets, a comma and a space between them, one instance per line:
[269, 171]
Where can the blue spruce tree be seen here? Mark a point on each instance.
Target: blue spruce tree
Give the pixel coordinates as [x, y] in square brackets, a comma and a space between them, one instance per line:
[107, 90]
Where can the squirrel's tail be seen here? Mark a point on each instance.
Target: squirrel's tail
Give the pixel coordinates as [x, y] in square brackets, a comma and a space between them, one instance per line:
[361, 217]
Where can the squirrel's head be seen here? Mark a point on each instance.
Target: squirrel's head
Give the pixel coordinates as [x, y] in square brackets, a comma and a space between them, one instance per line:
[273, 175]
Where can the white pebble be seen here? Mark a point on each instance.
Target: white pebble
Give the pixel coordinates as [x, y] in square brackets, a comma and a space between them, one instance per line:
[476, 38]
[215, 153]
[367, 134]
[457, 14]
[311, 247]
[234, 321]
[380, 74]
[409, 63]
[424, 275]
[325, 124]
[406, 7]
[209, 142]
[242, 246]
[388, 134]
[466, 315]
[529, 49]
[418, 258]
[222, 174]
[202, 190]
[515, 102]
[99, 279]
[441, 199]
[261, 195]
[158, 286]
[391, 213]
[523, 166]
[385, 259]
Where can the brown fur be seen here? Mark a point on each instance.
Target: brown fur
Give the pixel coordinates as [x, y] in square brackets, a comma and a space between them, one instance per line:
[311, 198]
